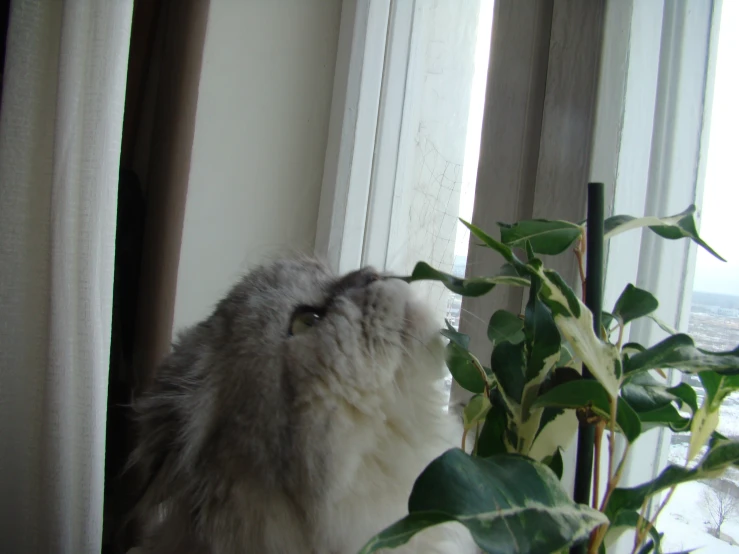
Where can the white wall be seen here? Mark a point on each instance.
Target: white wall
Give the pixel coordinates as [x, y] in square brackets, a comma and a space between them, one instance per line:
[260, 139]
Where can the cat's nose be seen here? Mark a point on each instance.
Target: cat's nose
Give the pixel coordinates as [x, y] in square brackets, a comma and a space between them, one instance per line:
[359, 279]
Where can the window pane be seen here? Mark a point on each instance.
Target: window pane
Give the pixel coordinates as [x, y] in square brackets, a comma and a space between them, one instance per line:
[692, 517]
[440, 140]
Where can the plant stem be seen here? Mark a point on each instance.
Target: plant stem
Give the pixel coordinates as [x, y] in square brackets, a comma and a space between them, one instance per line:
[580, 255]
[482, 373]
[600, 533]
[593, 292]
[620, 335]
[640, 536]
[612, 439]
[600, 426]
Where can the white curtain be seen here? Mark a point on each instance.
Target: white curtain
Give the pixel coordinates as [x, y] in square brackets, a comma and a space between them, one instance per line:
[60, 136]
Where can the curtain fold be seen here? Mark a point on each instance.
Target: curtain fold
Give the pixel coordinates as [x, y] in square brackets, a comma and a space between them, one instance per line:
[60, 138]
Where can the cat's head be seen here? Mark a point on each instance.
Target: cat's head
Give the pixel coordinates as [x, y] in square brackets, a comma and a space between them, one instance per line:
[288, 331]
[297, 319]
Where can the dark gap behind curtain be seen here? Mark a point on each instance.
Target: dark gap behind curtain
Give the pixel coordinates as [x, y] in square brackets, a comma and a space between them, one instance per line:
[131, 218]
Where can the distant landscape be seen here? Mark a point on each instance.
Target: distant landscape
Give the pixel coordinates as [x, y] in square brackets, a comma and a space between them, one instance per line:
[712, 299]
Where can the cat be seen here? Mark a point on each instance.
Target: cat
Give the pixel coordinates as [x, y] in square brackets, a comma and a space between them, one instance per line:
[295, 419]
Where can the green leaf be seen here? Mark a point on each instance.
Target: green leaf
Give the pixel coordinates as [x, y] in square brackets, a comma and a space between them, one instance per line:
[543, 345]
[403, 530]
[460, 339]
[543, 340]
[559, 376]
[548, 415]
[627, 520]
[606, 320]
[686, 394]
[714, 463]
[720, 457]
[634, 303]
[511, 270]
[463, 370]
[718, 387]
[628, 421]
[555, 378]
[508, 502]
[566, 356]
[662, 325]
[679, 352]
[508, 363]
[705, 420]
[490, 441]
[476, 410]
[475, 286]
[530, 254]
[545, 237]
[555, 463]
[589, 393]
[575, 323]
[644, 393]
[505, 326]
[631, 348]
[498, 246]
[562, 300]
[674, 227]
[666, 416]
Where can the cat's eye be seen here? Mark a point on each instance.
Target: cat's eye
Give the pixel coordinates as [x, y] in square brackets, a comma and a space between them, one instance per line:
[304, 319]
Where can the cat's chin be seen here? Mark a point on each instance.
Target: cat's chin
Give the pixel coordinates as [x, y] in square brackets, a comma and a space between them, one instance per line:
[421, 325]
[421, 338]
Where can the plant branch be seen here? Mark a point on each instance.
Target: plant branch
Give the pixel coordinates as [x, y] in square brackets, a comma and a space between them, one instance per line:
[612, 484]
[642, 533]
[620, 334]
[484, 375]
[599, 428]
[612, 439]
[580, 255]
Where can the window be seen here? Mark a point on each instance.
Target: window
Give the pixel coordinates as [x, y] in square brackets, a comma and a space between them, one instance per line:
[692, 517]
[415, 88]
[617, 92]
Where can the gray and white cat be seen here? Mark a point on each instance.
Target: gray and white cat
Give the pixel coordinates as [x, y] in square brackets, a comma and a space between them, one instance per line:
[295, 419]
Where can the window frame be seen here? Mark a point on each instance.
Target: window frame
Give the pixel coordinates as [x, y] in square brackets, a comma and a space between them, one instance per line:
[348, 166]
[646, 125]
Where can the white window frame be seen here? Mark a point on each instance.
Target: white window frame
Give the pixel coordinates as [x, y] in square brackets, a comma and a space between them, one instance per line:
[649, 130]
[345, 193]
[680, 120]
[361, 203]
[362, 163]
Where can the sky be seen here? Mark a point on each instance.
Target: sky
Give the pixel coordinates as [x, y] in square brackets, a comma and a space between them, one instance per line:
[720, 217]
[474, 123]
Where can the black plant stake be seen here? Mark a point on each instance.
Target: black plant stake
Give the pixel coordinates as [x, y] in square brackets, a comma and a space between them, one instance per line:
[594, 301]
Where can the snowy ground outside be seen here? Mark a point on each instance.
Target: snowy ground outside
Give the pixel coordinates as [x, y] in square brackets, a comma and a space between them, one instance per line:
[685, 521]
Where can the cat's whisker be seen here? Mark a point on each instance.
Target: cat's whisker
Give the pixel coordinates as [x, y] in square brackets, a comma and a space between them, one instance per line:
[474, 316]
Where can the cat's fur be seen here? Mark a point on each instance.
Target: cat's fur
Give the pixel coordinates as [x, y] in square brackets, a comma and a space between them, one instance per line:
[257, 442]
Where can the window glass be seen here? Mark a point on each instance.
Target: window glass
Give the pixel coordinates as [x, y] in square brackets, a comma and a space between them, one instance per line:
[440, 140]
[696, 510]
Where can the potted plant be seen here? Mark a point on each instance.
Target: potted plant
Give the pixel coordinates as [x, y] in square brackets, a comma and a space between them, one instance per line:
[564, 354]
